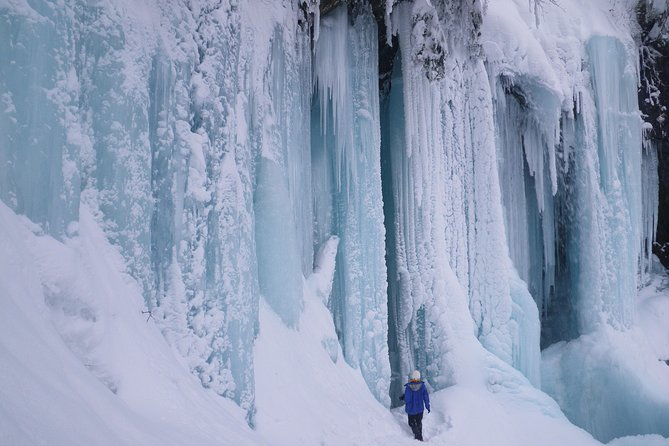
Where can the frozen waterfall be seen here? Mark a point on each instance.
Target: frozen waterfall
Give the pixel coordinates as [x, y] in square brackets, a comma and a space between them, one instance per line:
[493, 190]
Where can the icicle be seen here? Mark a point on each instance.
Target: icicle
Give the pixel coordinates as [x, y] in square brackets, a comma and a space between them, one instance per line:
[650, 197]
[333, 83]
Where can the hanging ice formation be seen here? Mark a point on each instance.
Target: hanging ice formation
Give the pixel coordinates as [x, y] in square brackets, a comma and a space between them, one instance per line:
[347, 187]
[571, 173]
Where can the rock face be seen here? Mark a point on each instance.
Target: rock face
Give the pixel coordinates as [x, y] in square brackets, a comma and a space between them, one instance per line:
[653, 96]
[661, 248]
[377, 6]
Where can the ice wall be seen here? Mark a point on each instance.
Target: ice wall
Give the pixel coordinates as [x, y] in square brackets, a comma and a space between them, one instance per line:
[605, 235]
[238, 187]
[185, 129]
[220, 145]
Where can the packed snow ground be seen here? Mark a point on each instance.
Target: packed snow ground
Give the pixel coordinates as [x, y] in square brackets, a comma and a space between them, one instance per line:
[82, 365]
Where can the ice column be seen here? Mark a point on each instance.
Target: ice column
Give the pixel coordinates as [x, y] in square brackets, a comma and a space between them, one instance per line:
[219, 217]
[347, 188]
[605, 233]
[279, 263]
[527, 118]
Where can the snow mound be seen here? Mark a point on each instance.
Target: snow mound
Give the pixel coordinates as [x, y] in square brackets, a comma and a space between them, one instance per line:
[616, 383]
[81, 364]
[640, 440]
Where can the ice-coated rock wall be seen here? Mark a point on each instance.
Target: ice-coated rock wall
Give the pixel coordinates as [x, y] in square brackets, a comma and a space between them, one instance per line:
[182, 126]
[187, 128]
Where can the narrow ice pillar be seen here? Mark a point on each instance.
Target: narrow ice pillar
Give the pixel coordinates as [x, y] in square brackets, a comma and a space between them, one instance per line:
[282, 196]
[650, 196]
[347, 188]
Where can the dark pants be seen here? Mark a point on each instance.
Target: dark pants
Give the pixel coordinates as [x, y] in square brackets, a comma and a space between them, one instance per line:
[416, 424]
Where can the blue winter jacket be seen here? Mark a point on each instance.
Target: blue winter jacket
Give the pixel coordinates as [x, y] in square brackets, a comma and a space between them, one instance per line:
[415, 395]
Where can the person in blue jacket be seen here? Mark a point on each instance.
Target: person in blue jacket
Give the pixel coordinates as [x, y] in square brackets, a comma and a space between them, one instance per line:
[416, 399]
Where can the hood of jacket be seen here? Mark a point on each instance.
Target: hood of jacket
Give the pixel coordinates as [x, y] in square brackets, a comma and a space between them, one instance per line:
[414, 385]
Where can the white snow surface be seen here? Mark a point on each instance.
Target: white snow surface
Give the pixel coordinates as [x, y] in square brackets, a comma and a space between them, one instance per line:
[545, 43]
[81, 365]
[653, 313]
[640, 440]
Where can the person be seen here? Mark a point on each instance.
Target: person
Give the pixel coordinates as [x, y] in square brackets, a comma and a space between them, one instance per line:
[416, 399]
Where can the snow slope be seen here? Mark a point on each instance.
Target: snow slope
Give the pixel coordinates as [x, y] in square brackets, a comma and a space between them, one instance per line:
[81, 365]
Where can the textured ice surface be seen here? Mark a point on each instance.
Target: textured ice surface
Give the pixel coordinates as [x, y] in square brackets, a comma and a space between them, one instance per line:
[39, 89]
[610, 383]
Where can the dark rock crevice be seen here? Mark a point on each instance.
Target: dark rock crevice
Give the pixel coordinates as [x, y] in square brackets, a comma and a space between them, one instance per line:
[653, 95]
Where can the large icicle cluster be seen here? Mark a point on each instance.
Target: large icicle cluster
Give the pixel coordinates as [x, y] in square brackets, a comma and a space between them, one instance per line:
[575, 213]
[444, 205]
